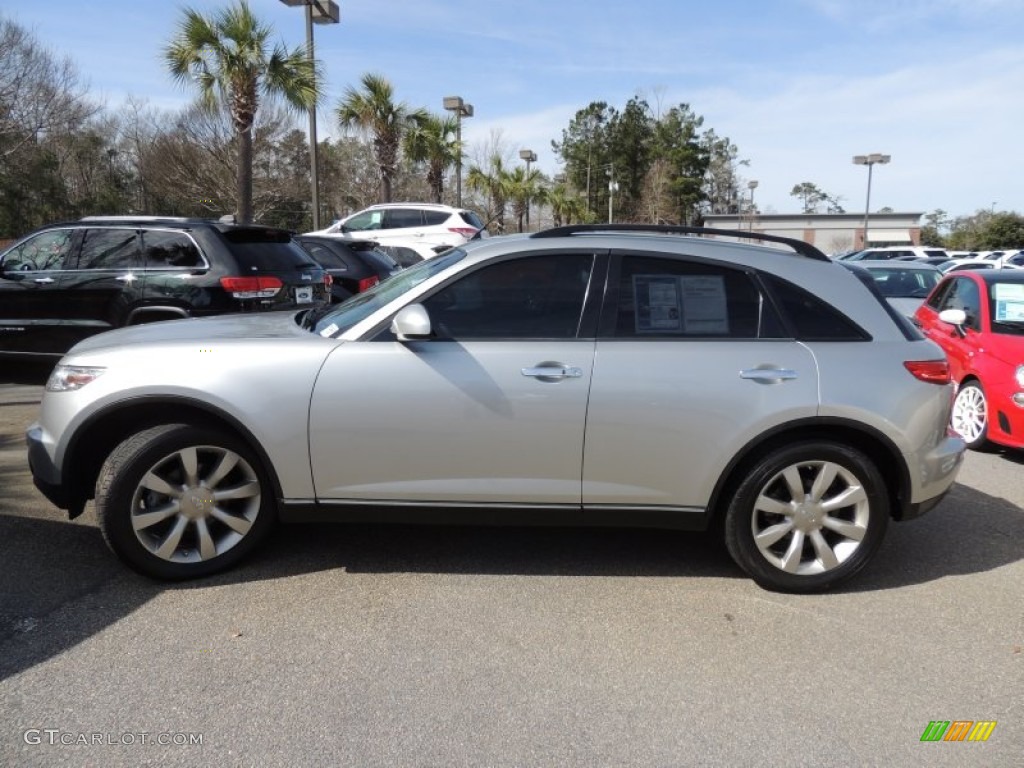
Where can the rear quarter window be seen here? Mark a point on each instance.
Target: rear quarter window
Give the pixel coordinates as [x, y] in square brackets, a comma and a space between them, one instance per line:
[810, 318]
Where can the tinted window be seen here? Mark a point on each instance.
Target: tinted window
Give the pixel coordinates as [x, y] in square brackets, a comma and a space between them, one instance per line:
[810, 318]
[45, 251]
[266, 250]
[472, 219]
[325, 256]
[435, 218]
[169, 249]
[669, 297]
[110, 249]
[399, 218]
[539, 297]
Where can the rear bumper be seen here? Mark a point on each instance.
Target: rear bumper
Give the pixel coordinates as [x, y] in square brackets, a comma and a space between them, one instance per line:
[938, 470]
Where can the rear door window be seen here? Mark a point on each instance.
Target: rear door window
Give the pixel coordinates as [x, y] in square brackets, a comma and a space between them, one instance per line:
[401, 218]
[660, 297]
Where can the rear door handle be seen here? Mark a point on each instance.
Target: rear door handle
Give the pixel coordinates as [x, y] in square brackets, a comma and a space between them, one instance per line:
[768, 375]
[43, 280]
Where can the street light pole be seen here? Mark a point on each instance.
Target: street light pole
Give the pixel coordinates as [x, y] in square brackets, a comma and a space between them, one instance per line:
[869, 161]
[321, 12]
[530, 157]
[613, 187]
[752, 185]
[461, 109]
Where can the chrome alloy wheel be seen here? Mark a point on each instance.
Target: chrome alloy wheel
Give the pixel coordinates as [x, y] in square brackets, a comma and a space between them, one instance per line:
[810, 517]
[970, 414]
[195, 504]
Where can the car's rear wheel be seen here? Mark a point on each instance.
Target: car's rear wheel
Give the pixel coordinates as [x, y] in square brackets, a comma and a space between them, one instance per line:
[807, 516]
[970, 415]
[178, 501]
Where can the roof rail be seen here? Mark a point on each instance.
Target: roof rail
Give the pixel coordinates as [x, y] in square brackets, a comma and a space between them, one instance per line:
[803, 248]
[140, 217]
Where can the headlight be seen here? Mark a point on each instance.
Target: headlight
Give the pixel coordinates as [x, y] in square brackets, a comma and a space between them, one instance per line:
[68, 378]
[1020, 376]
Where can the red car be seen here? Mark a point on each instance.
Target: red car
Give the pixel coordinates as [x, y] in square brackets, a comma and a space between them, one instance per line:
[977, 317]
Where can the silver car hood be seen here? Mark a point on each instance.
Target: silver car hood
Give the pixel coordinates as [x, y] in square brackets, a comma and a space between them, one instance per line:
[263, 325]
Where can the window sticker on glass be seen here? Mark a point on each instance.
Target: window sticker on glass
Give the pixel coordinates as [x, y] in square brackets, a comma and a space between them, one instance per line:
[657, 303]
[704, 305]
[694, 305]
[1009, 298]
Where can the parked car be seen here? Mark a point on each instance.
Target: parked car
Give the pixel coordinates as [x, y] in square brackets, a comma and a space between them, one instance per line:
[895, 252]
[903, 284]
[957, 265]
[583, 375]
[426, 228]
[977, 317]
[68, 281]
[354, 265]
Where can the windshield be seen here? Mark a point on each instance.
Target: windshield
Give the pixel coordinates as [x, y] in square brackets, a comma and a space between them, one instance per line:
[905, 283]
[335, 320]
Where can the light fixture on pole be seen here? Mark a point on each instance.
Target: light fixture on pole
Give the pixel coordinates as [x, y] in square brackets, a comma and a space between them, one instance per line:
[869, 161]
[317, 12]
[752, 185]
[461, 109]
[530, 157]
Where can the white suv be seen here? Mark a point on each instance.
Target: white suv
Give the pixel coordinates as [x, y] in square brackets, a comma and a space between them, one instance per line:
[426, 228]
[902, 252]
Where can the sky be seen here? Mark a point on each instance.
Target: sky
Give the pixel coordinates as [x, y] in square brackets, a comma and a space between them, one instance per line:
[799, 86]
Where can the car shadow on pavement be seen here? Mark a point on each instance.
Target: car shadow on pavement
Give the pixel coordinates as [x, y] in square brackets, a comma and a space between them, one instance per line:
[62, 585]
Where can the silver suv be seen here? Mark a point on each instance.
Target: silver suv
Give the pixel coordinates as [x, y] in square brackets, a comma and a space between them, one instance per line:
[584, 375]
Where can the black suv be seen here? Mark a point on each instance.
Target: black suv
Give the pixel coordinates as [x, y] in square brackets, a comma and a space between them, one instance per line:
[354, 265]
[68, 281]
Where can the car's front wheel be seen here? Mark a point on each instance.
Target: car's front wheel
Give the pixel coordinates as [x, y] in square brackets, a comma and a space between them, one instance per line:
[807, 516]
[178, 501]
[970, 415]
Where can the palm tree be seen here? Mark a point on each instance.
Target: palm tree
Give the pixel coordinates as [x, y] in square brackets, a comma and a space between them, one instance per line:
[228, 57]
[565, 206]
[522, 188]
[433, 142]
[374, 110]
[491, 181]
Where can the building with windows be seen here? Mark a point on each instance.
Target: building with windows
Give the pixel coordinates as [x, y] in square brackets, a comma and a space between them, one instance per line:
[829, 232]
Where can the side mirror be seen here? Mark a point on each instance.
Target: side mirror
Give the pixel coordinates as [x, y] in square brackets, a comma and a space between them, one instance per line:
[955, 317]
[412, 323]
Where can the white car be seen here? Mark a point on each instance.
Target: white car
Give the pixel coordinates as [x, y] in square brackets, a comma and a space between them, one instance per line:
[426, 228]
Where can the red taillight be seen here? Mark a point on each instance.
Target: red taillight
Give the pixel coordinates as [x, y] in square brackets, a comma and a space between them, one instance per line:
[262, 287]
[466, 232]
[328, 279]
[368, 282]
[932, 371]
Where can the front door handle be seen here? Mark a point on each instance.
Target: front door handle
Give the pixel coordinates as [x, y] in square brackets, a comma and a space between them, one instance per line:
[553, 372]
[43, 280]
[768, 375]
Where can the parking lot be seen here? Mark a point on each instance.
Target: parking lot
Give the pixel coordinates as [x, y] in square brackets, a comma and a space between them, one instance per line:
[379, 646]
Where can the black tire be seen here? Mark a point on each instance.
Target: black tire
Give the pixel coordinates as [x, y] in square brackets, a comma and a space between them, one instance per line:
[780, 529]
[180, 502]
[970, 416]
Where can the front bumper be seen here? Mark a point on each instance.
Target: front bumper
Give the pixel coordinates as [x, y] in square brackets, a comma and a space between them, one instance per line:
[45, 474]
